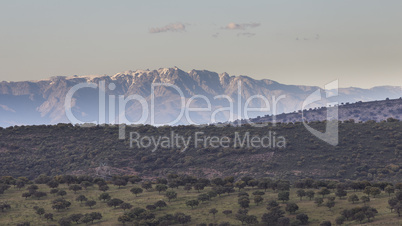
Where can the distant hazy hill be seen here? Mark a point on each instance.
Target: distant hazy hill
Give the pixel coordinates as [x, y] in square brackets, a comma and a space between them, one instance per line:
[360, 111]
[42, 102]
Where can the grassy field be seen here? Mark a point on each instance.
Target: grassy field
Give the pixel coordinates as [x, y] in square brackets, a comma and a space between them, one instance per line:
[22, 209]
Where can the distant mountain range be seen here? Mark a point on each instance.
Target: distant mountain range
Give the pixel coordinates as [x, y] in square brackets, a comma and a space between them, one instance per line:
[43, 102]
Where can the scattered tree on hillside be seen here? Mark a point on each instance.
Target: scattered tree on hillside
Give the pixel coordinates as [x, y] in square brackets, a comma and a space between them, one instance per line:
[40, 211]
[171, 195]
[213, 211]
[192, 203]
[90, 203]
[310, 194]
[75, 188]
[104, 196]
[283, 196]
[126, 206]
[114, 202]
[301, 193]
[353, 198]
[291, 207]
[136, 191]
[161, 187]
[160, 204]
[81, 198]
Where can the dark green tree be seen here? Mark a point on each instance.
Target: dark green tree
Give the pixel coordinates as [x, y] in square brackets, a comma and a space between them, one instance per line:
[114, 202]
[283, 196]
[330, 204]
[48, 216]
[124, 219]
[353, 198]
[61, 193]
[303, 218]
[181, 218]
[76, 217]
[203, 197]
[326, 223]
[301, 193]
[310, 194]
[161, 187]
[75, 188]
[244, 202]
[258, 199]
[318, 201]
[192, 203]
[90, 203]
[341, 193]
[160, 204]
[104, 196]
[40, 211]
[81, 198]
[199, 186]
[146, 185]
[136, 191]
[360, 216]
[324, 191]
[240, 184]
[375, 191]
[389, 189]
[188, 187]
[340, 220]
[52, 184]
[291, 207]
[284, 221]
[126, 206]
[26, 195]
[365, 199]
[120, 182]
[60, 204]
[171, 195]
[54, 191]
[151, 207]
[213, 211]
[103, 188]
[64, 221]
[251, 220]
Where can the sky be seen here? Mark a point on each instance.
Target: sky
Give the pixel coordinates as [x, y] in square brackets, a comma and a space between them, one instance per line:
[298, 42]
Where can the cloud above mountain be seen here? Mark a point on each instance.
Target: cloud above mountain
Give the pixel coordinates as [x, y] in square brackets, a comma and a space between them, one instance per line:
[244, 26]
[174, 27]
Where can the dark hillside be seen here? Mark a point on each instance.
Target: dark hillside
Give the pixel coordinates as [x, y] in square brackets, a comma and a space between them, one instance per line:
[370, 151]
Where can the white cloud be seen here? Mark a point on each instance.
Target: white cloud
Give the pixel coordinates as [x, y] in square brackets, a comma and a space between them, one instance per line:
[234, 26]
[170, 27]
[6, 108]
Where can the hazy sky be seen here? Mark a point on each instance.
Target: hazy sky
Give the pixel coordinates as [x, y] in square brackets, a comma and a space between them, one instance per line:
[306, 42]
